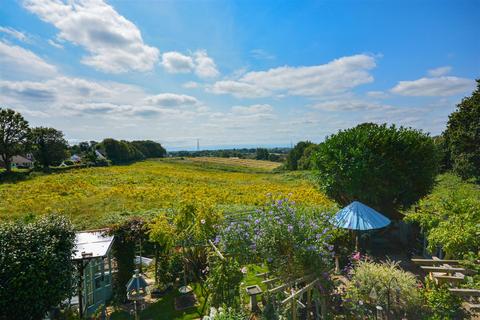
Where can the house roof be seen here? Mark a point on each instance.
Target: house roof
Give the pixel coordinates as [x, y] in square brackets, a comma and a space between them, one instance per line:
[20, 159]
[91, 244]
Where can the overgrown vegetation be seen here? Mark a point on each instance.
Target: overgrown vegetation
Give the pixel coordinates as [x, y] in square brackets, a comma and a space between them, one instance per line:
[450, 216]
[89, 195]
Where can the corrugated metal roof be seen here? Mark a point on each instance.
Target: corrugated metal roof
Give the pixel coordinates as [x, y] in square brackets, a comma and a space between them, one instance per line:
[357, 216]
[91, 244]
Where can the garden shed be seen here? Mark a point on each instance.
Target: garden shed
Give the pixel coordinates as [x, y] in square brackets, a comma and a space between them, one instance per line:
[94, 259]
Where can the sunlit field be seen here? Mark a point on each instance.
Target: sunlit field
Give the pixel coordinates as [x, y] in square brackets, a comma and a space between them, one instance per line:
[87, 196]
[249, 163]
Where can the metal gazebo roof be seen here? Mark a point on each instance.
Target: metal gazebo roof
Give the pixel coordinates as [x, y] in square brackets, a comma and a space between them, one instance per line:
[357, 216]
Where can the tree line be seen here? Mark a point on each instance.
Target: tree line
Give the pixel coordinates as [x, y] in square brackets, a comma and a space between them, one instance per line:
[49, 147]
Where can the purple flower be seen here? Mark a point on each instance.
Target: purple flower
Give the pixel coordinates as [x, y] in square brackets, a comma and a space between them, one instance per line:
[257, 221]
[318, 236]
[217, 240]
[269, 259]
[330, 247]
[290, 228]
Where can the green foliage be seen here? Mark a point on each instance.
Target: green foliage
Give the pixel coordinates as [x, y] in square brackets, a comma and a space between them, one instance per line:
[442, 304]
[36, 270]
[296, 154]
[223, 281]
[387, 168]
[450, 216]
[262, 154]
[374, 283]
[121, 151]
[127, 232]
[14, 132]
[462, 136]
[225, 314]
[306, 162]
[292, 243]
[48, 145]
[150, 149]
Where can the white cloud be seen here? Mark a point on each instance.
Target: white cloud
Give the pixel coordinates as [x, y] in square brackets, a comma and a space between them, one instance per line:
[175, 62]
[440, 71]
[16, 62]
[431, 87]
[55, 44]
[334, 77]
[238, 89]
[115, 44]
[204, 65]
[171, 100]
[199, 62]
[253, 109]
[377, 94]
[14, 33]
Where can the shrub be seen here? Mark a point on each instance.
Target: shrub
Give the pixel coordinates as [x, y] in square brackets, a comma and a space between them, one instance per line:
[450, 216]
[387, 168]
[441, 303]
[36, 270]
[223, 281]
[225, 314]
[375, 283]
[292, 243]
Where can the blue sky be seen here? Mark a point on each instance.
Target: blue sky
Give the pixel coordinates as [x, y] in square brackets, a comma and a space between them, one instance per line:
[235, 73]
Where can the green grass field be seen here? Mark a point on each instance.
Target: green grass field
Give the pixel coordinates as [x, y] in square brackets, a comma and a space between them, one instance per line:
[89, 196]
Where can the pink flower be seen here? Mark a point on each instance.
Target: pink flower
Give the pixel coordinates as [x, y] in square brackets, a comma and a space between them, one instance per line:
[356, 256]
[244, 270]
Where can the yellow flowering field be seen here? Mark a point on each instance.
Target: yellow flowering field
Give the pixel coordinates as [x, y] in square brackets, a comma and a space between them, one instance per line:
[88, 195]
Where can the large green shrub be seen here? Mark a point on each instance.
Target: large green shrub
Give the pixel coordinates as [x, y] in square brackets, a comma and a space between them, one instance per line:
[384, 167]
[36, 270]
[462, 136]
[450, 216]
[384, 284]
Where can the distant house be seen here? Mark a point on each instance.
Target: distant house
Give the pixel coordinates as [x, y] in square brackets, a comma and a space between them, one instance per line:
[94, 259]
[76, 158]
[19, 162]
[99, 155]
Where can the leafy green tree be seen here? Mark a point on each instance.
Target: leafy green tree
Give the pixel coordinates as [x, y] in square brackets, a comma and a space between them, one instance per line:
[261, 154]
[462, 136]
[295, 154]
[150, 149]
[388, 168]
[49, 146]
[306, 161]
[14, 132]
[121, 151]
[36, 270]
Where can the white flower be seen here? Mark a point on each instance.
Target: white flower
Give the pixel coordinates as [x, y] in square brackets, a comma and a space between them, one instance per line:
[202, 221]
[244, 270]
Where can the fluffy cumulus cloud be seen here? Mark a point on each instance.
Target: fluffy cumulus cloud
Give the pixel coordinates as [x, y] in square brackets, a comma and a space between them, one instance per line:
[199, 63]
[333, 77]
[434, 87]
[175, 62]
[350, 105]
[114, 44]
[16, 61]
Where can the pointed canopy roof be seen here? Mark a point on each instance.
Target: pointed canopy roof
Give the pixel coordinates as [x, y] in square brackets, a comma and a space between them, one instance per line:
[357, 216]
